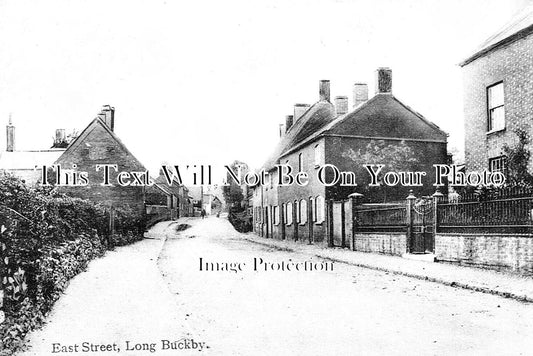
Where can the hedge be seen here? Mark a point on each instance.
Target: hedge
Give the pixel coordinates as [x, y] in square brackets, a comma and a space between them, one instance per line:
[46, 239]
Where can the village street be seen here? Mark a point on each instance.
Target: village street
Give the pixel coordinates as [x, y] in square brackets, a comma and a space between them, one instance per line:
[148, 291]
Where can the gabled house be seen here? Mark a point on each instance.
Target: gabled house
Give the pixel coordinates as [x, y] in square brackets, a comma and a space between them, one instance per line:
[98, 144]
[328, 134]
[498, 93]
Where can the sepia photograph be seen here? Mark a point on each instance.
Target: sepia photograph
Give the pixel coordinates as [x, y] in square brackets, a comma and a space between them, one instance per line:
[277, 177]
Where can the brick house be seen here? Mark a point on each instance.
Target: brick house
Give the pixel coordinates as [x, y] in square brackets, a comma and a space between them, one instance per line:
[324, 133]
[98, 144]
[498, 93]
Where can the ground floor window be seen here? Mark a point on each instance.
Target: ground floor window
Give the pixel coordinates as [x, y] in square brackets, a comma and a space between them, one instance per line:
[497, 164]
[319, 209]
[303, 211]
[288, 211]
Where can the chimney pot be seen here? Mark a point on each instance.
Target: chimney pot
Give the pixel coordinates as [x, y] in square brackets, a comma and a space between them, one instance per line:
[383, 80]
[299, 110]
[288, 122]
[360, 94]
[10, 136]
[323, 90]
[108, 116]
[341, 105]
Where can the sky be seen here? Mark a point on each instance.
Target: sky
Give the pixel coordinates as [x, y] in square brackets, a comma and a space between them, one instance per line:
[210, 81]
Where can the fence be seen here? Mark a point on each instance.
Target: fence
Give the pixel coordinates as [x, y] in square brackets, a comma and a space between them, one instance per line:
[503, 215]
[381, 218]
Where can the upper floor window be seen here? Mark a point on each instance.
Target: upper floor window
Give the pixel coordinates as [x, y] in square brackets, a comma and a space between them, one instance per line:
[318, 157]
[496, 108]
[300, 162]
[497, 164]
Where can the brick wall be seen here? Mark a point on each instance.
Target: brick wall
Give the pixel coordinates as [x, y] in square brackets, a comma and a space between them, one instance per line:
[512, 64]
[386, 243]
[99, 147]
[499, 251]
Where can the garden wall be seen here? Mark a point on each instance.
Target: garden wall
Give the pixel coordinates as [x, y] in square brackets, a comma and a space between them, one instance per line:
[499, 251]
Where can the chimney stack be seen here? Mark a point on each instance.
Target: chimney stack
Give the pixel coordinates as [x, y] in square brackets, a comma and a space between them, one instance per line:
[10, 136]
[281, 130]
[341, 105]
[360, 94]
[60, 136]
[288, 122]
[323, 90]
[383, 80]
[299, 110]
[108, 116]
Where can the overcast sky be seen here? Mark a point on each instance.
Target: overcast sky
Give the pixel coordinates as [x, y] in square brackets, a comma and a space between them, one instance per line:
[209, 81]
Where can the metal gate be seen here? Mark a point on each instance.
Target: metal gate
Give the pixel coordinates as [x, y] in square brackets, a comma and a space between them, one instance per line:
[422, 231]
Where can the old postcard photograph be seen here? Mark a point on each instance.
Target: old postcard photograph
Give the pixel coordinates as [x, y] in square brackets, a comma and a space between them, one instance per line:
[278, 177]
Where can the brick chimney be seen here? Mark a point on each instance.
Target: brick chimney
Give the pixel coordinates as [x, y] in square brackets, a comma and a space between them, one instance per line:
[299, 110]
[288, 122]
[281, 130]
[360, 94]
[383, 80]
[10, 136]
[108, 116]
[341, 105]
[323, 90]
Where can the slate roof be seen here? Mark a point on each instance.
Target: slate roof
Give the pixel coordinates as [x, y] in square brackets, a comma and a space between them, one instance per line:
[382, 116]
[519, 26]
[317, 116]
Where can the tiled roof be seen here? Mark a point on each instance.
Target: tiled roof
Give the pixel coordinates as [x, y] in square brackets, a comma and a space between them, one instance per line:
[520, 25]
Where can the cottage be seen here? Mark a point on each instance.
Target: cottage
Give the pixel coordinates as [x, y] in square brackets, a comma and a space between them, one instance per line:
[498, 93]
[326, 133]
[98, 144]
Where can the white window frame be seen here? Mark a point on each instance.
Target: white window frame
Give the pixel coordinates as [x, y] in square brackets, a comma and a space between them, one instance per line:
[495, 107]
[320, 204]
[303, 212]
[288, 213]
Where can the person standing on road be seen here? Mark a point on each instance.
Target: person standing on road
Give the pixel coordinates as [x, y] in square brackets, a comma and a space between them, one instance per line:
[203, 213]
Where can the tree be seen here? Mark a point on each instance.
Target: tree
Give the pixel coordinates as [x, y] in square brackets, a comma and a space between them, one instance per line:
[232, 192]
[517, 160]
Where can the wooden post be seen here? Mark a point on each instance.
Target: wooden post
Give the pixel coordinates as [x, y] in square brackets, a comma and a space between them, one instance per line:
[310, 220]
[330, 223]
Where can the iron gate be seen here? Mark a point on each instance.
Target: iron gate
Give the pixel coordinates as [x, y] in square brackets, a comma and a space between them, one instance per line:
[422, 232]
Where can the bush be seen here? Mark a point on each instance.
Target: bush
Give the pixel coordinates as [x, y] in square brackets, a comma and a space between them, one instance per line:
[46, 239]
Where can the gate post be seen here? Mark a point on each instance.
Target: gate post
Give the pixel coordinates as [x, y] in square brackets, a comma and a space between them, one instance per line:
[356, 199]
[437, 196]
[409, 216]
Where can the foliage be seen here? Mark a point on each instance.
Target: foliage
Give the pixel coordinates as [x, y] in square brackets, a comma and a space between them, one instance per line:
[46, 239]
[517, 159]
[232, 192]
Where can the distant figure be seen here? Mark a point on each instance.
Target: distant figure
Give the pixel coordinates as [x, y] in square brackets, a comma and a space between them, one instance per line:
[218, 214]
[203, 213]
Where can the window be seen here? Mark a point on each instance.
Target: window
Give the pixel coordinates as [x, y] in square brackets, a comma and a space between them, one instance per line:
[303, 211]
[319, 209]
[288, 210]
[300, 163]
[318, 157]
[297, 208]
[497, 164]
[496, 109]
[275, 214]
